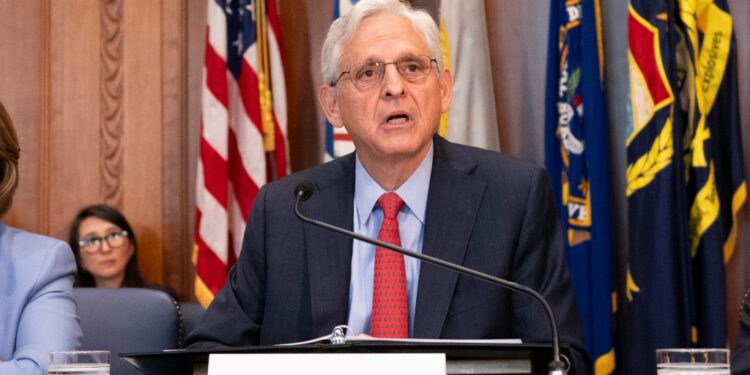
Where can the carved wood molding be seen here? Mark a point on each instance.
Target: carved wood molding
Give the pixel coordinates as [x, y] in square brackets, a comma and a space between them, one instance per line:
[111, 102]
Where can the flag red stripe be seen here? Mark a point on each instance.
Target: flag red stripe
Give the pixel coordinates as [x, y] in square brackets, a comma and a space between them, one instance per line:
[245, 188]
[216, 74]
[342, 137]
[214, 172]
[273, 20]
[280, 151]
[231, 257]
[248, 83]
[211, 269]
[208, 266]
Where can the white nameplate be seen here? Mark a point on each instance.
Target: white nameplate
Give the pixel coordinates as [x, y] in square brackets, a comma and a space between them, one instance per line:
[326, 364]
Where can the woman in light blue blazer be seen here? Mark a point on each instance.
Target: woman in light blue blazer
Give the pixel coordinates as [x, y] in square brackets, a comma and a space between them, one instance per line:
[37, 310]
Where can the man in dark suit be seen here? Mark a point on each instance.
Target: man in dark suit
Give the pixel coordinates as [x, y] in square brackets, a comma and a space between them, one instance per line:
[293, 281]
[741, 352]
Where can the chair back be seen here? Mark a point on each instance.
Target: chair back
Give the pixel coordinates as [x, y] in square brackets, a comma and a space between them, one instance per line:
[124, 320]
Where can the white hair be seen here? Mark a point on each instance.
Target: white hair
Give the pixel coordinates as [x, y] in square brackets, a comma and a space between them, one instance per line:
[342, 30]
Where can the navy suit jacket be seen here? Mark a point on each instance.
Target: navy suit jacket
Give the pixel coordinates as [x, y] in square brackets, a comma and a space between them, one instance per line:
[740, 354]
[485, 211]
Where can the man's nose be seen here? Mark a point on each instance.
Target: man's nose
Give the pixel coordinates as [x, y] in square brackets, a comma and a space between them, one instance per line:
[393, 80]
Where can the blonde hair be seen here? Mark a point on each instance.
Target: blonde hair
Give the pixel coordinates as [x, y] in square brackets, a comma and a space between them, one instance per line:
[9, 154]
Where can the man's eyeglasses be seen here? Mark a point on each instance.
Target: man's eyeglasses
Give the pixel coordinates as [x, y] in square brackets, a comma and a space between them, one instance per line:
[369, 73]
[94, 243]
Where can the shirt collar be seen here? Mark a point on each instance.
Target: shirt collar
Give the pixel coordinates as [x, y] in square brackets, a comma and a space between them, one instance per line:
[413, 191]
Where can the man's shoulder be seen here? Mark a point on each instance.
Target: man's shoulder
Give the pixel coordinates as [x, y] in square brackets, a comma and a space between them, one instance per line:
[320, 175]
[487, 163]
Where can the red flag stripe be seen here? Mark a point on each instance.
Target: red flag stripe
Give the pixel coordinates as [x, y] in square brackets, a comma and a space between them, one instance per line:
[245, 188]
[273, 20]
[208, 266]
[342, 137]
[279, 103]
[215, 172]
[248, 84]
[236, 220]
[249, 143]
[280, 151]
[216, 75]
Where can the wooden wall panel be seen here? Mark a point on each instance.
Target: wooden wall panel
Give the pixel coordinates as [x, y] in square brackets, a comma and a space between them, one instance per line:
[142, 142]
[177, 206]
[21, 64]
[97, 89]
[111, 98]
[73, 128]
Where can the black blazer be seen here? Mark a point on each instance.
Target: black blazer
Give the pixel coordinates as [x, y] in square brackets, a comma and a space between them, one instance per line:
[740, 355]
[484, 210]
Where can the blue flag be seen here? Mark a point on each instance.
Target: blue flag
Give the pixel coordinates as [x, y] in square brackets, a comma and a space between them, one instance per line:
[685, 179]
[577, 159]
[656, 312]
[713, 153]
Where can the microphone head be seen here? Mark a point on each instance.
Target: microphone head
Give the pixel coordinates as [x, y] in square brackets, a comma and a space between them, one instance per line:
[304, 190]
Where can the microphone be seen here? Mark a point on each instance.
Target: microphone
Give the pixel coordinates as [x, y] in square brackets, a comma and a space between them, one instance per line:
[305, 189]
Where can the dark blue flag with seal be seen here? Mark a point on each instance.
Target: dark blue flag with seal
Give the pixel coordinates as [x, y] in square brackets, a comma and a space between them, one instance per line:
[712, 150]
[577, 159]
[656, 311]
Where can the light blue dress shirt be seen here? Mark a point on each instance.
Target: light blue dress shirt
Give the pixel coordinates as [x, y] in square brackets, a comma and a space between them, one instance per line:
[367, 219]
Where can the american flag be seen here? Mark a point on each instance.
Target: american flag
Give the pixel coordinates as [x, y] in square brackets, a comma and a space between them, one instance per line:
[243, 137]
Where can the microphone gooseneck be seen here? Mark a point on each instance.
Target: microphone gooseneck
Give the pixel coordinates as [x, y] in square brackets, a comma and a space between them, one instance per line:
[305, 189]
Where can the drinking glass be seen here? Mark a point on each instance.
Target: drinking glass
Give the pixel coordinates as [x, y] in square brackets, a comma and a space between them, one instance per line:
[78, 363]
[692, 361]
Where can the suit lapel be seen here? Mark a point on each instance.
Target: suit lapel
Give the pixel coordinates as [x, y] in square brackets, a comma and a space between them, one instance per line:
[452, 205]
[329, 254]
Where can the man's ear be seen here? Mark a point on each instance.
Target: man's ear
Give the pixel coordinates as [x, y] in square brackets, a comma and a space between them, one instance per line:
[329, 102]
[446, 89]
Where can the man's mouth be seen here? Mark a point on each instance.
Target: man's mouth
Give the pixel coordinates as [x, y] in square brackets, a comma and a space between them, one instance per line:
[397, 119]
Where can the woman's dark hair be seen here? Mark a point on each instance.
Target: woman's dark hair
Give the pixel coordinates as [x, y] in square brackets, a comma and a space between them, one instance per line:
[84, 278]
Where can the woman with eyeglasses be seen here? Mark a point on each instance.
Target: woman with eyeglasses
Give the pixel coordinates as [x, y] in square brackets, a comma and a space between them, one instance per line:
[37, 310]
[105, 248]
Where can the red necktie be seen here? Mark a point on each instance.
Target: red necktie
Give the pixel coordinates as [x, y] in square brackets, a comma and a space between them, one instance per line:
[390, 306]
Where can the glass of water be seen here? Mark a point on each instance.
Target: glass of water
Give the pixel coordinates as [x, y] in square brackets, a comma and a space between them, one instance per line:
[78, 363]
[692, 361]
